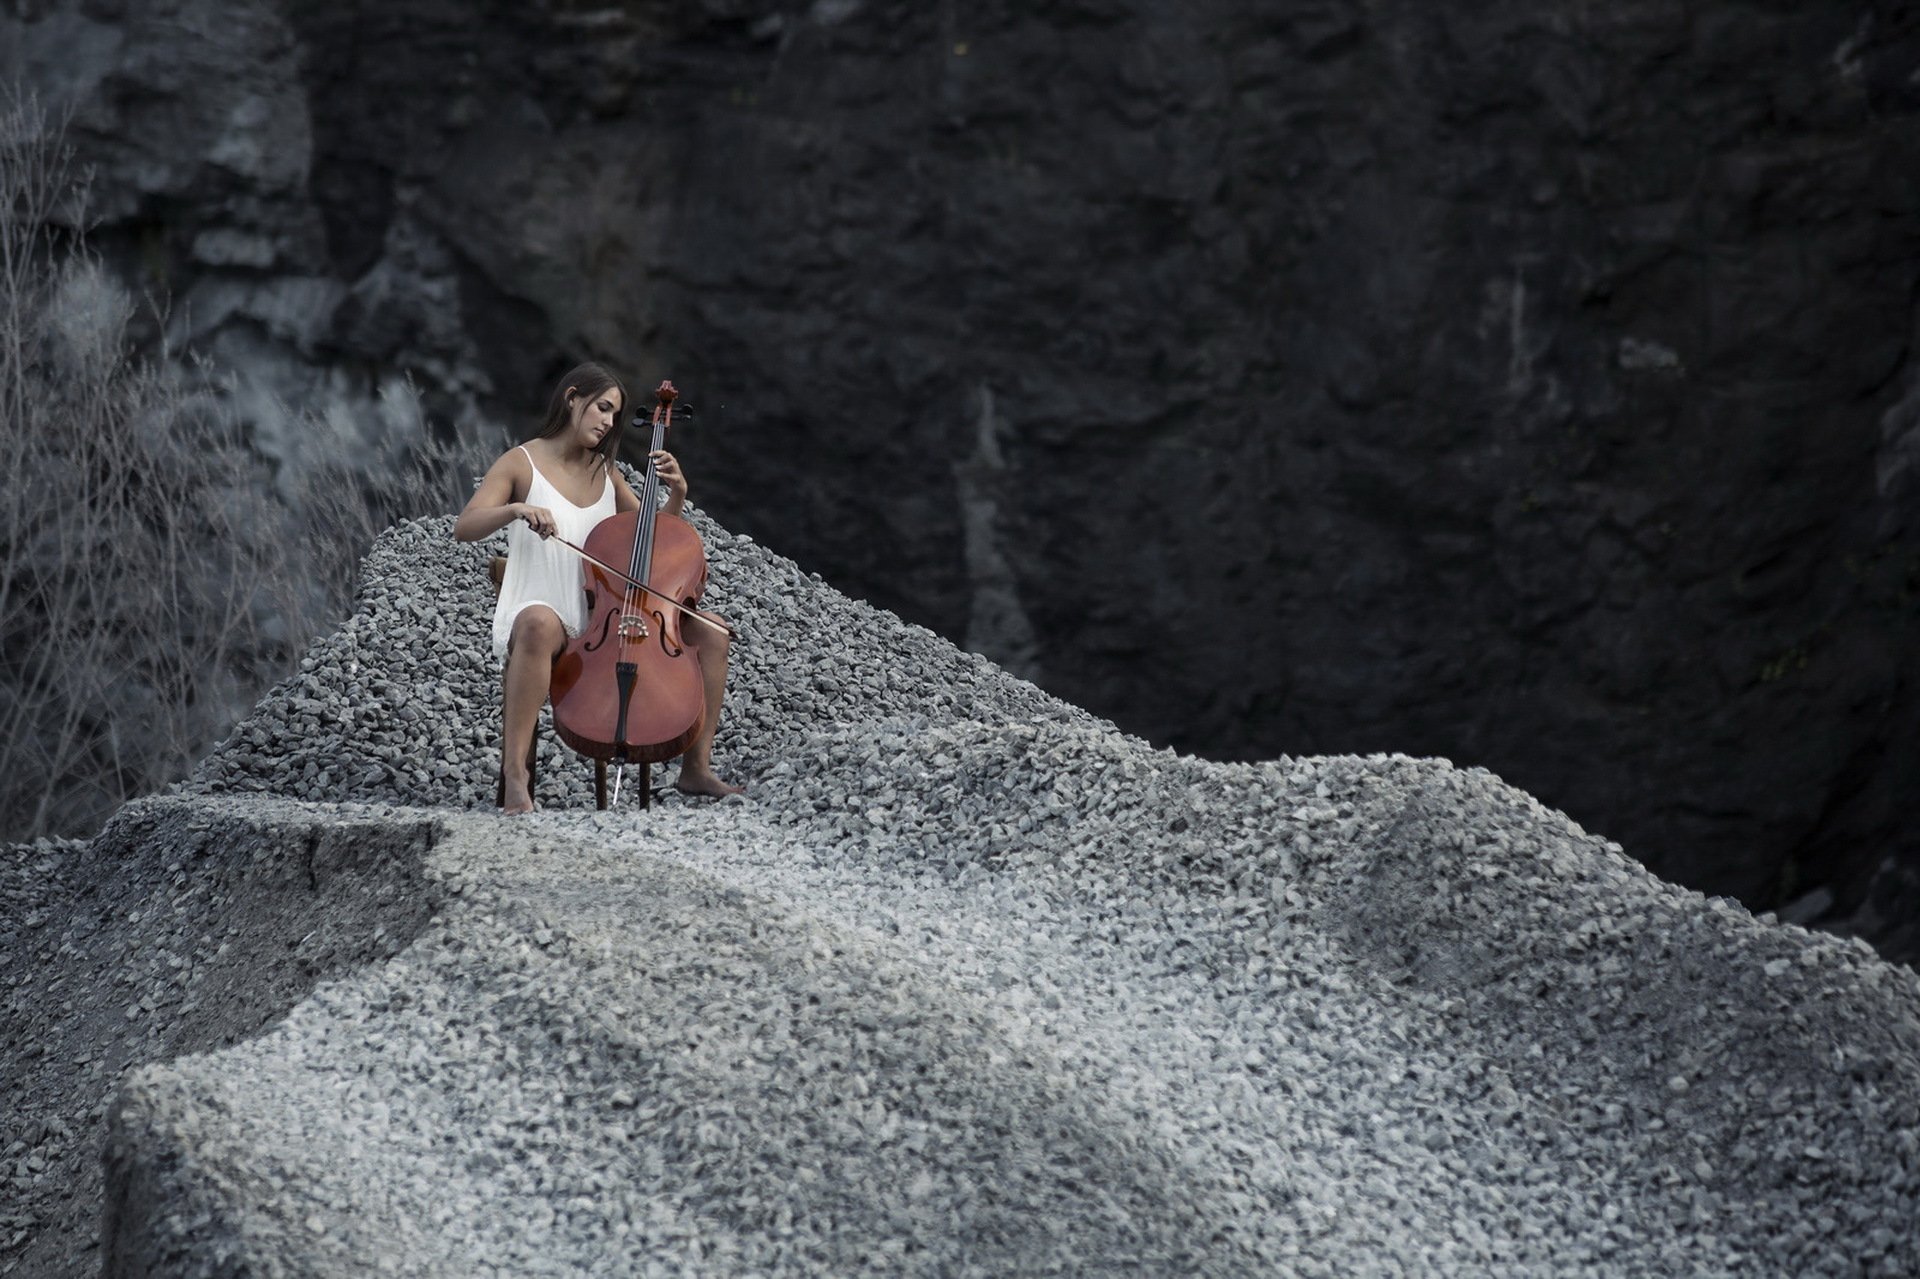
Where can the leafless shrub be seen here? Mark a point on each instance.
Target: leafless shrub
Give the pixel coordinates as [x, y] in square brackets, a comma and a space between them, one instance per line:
[346, 502]
[150, 584]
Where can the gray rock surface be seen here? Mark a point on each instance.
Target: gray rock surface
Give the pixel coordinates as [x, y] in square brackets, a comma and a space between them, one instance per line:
[1530, 386]
[183, 927]
[969, 982]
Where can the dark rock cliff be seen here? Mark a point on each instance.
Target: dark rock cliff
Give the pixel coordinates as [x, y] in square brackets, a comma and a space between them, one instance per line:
[1531, 386]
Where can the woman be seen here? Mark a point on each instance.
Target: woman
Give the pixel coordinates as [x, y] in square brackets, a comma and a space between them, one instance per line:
[564, 482]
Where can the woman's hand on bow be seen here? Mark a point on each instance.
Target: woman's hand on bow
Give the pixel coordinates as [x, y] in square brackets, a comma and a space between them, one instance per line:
[538, 518]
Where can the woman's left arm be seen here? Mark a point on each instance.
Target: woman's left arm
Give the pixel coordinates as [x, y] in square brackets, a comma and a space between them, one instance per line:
[667, 467]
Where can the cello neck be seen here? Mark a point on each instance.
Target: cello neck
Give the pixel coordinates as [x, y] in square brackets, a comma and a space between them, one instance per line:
[641, 567]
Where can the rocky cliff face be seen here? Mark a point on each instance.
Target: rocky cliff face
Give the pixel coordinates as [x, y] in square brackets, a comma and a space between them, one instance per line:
[1532, 387]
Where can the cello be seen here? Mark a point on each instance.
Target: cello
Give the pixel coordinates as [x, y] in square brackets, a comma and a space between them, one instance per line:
[627, 689]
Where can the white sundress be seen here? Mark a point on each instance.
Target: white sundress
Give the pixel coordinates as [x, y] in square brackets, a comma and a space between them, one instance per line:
[541, 571]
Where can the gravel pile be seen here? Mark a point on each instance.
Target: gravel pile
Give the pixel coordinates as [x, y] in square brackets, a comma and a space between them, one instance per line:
[973, 983]
[402, 703]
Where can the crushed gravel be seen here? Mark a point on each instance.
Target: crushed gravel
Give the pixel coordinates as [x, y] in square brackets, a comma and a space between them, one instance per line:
[969, 983]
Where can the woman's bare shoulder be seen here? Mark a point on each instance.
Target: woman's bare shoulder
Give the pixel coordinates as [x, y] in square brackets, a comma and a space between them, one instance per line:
[518, 459]
[514, 467]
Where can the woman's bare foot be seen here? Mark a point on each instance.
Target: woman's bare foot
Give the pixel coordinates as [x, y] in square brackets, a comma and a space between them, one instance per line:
[518, 798]
[704, 782]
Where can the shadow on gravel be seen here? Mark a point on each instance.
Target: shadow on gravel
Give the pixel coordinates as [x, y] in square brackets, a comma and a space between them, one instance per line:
[186, 925]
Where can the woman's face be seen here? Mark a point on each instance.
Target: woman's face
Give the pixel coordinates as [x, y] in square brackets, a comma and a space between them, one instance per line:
[594, 416]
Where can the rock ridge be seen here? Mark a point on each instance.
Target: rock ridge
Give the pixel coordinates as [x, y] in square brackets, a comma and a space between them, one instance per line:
[973, 983]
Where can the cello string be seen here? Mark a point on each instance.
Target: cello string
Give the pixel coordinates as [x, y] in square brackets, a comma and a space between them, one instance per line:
[650, 506]
[640, 563]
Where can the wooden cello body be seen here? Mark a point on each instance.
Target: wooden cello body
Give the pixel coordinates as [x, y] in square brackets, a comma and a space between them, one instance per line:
[628, 688]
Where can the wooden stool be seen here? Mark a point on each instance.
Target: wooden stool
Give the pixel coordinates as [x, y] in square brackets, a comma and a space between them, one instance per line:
[497, 572]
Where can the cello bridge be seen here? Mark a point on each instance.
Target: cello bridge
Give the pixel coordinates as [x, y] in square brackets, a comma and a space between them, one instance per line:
[633, 626]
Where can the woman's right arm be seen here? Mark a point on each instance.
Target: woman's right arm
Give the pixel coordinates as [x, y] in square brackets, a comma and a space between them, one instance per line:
[492, 507]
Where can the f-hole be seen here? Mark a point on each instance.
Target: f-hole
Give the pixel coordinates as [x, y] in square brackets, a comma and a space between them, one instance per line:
[606, 624]
[660, 622]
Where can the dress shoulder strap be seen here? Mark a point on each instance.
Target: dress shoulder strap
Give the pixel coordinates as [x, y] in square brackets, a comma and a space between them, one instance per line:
[534, 467]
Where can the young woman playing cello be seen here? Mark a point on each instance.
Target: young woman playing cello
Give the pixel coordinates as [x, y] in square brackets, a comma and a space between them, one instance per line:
[564, 482]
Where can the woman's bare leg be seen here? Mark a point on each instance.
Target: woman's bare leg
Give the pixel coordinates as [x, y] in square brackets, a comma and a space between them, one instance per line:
[696, 766]
[537, 639]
